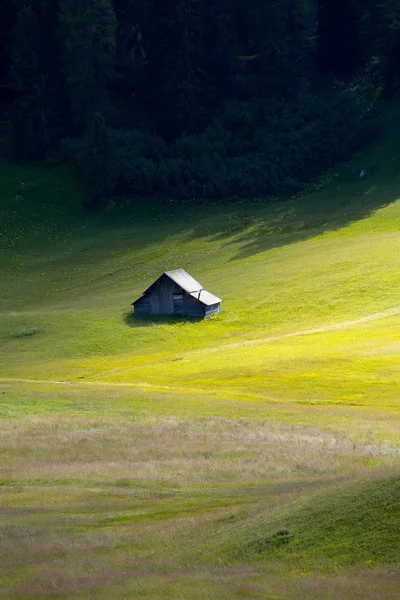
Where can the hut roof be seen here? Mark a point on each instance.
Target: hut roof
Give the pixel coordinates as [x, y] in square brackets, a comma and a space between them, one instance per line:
[192, 287]
[206, 297]
[184, 280]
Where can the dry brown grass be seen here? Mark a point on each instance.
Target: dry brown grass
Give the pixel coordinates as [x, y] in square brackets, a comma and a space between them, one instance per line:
[202, 451]
[99, 508]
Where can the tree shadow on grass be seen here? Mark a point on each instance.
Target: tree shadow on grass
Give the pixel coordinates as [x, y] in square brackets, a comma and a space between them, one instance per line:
[135, 321]
[254, 227]
[297, 220]
[248, 226]
[338, 201]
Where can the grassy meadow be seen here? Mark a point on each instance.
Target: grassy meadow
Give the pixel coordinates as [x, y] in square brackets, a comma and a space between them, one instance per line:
[251, 455]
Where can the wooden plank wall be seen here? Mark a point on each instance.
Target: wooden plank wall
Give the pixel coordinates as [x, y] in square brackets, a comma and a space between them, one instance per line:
[214, 309]
[161, 296]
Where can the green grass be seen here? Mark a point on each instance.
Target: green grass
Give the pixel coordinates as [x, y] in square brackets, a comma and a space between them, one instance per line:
[345, 527]
[159, 459]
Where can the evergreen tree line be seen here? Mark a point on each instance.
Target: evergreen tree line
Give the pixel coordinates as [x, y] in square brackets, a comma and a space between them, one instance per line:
[194, 98]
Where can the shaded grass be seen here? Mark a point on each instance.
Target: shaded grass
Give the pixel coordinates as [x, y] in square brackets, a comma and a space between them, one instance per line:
[347, 526]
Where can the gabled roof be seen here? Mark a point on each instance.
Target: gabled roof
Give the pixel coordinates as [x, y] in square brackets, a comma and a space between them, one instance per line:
[184, 280]
[191, 286]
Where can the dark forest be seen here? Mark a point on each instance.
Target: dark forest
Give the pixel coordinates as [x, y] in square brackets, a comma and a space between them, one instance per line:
[191, 98]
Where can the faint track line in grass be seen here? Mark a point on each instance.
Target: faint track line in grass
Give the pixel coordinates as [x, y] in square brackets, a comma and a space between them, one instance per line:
[222, 393]
[259, 341]
[48, 311]
[84, 382]
[308, 332]
[225, 392]
[328, 328]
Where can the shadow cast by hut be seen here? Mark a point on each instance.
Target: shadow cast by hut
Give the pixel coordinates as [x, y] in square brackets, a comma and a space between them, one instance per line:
[135, 321]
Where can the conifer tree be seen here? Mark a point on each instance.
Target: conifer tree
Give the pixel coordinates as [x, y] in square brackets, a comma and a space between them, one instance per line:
[130, 17]
[174, 65]
[39, 109]
[127, 89]
[217, 60]
[98, 163]
[7, 20]
[338, 43]
[28, 118]
[89, 34]
[388, 45]
[275, 42]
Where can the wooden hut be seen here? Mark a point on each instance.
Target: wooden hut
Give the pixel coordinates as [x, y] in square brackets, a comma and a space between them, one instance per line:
[177, 293]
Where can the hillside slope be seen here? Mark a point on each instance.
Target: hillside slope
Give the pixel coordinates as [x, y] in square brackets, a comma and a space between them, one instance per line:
[316, 262]
[158, 459]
